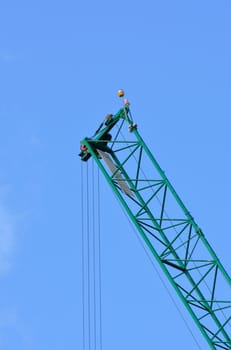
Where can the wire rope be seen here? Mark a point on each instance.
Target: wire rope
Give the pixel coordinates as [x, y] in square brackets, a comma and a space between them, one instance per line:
[92, 332]
[88, 260]
[94, 252]
[83, 262]
[99, 263]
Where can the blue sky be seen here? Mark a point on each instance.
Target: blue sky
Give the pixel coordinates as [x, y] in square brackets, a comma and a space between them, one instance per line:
[61, 64]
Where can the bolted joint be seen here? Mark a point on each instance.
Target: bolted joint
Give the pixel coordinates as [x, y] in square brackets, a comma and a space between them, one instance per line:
[199, 231]
[132, 127]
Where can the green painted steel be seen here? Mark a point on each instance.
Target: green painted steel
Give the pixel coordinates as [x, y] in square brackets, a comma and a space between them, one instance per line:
[166, 226]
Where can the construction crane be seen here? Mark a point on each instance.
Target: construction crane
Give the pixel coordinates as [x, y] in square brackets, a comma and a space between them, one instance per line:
[168, 229]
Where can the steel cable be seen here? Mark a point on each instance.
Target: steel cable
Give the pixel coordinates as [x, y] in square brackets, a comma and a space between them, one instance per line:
[83, 261]
[91, 259]
[99, 263]
[94, 252]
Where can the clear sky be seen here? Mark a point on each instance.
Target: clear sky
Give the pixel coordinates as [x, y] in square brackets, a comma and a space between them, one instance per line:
[61, 63]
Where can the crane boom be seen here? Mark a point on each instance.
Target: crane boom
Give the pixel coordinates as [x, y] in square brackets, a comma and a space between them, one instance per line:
[166, 226]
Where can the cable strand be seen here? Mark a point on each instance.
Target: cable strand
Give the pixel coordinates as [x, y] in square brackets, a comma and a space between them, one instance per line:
[94, 252]
[83, 263]
[99, 264]
[88, 262]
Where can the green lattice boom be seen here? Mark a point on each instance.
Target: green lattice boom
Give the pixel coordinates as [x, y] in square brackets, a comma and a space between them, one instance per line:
[166, 226]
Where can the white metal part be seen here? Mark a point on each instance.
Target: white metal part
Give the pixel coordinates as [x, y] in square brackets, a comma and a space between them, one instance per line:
[121, 181]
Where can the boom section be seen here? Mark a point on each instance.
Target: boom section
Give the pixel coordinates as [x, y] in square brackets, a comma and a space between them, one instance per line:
[166, 226]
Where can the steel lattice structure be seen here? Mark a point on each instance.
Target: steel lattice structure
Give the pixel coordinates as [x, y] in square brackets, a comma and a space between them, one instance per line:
[166, 226]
